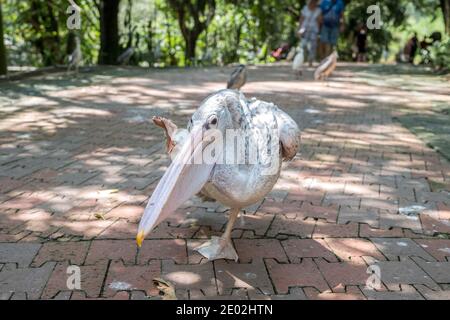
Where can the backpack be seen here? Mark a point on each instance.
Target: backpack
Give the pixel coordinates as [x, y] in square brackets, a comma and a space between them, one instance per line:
[331, 17]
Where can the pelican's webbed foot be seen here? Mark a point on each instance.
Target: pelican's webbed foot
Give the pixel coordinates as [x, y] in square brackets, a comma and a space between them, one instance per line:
[218, 248]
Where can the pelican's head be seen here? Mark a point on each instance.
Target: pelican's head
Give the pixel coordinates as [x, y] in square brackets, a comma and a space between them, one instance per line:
[193, 165]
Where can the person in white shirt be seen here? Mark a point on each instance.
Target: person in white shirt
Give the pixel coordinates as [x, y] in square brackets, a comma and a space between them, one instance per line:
[309, 28]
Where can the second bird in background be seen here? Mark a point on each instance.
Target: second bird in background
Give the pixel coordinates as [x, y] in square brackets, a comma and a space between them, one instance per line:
[297, 64]
[238, 78]
[326, 67]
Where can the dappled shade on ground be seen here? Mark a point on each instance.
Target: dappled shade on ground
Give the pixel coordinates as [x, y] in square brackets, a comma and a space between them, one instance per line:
[79, 158]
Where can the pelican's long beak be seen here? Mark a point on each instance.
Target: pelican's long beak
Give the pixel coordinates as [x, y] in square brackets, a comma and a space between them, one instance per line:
[182, 180]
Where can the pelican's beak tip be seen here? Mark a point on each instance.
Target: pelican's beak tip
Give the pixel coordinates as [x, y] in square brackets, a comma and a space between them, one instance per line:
[140, 238]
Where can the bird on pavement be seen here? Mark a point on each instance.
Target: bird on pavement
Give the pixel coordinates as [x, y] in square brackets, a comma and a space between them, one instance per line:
[76, 57]
[238, 78]
[269, 136]
[326, 67]
[297, 64]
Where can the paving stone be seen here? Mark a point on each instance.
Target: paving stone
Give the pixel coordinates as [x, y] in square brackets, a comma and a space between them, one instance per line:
[120, 229]
[5, 295]
[163, 249]
[191, 277]
[297, 249]
[85, 229]
[396, 273]
[54, 180]
[352, 293]
[256, 249]
[295, 275]
[92, 278]
[366, 231]
[328, 213]
[20, 253]
[296, 226]
[202, 217]
[348, 214]
[400, 247]
[293, 294]
[74, 252]
[344, 273]
[331, 230]
[430, 294]
[237, 294]
[348, 248]
[103, 250]
[127, 278]
[252, 276]
[19, 296]
[258, 223]
[30, 281]
[400, 221]
[131, 213]
[164, 231]
[407, 292]
[438, 248]
[438, 271]
[63, 295]
[433, 226]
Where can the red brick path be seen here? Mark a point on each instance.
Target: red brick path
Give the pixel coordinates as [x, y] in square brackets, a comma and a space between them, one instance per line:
[78, 163]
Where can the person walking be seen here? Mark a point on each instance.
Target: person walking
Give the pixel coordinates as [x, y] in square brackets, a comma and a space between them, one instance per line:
[332, 24]
[309, 29]
[361, 43]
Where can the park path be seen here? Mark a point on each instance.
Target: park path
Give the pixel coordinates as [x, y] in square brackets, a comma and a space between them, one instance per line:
[79, 159]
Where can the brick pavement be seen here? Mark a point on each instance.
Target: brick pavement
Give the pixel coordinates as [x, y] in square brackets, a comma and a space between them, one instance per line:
[79, 159]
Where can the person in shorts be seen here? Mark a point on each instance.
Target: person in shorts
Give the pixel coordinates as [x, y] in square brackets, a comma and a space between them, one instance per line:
[332, 24]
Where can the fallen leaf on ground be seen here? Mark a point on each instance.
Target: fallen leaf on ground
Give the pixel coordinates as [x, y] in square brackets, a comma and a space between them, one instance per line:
[167, 289]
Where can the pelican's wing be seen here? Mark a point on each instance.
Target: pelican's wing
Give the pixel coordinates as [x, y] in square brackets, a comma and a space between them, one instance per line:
[264, 113]
[175, 137]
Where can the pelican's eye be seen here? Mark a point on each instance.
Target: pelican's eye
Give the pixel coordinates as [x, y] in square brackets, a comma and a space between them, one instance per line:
[212, 121]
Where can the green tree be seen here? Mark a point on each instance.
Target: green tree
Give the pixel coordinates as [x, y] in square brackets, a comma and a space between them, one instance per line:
[2, 46]
[193, 16]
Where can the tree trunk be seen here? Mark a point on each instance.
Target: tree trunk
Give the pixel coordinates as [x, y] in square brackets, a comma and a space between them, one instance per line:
[109, 32]
[445, 6]
[3, 68]
[191, 45]
[202, 12]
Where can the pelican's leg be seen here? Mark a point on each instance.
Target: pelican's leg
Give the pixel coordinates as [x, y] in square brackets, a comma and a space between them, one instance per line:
[221, 247]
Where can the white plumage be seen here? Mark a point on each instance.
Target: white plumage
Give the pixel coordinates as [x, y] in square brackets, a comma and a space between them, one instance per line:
[75, 58]
[298, 62]
[267, 132]
[326, 67]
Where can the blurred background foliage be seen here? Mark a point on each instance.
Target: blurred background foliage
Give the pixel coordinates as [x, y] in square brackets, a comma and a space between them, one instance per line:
[167, 33]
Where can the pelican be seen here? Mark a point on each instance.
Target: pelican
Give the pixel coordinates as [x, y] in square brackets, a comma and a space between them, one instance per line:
[125, 57]
[326, 67]
[298, 62]
[75, 58]
[291, 54]
[238, 78]
[270, 136]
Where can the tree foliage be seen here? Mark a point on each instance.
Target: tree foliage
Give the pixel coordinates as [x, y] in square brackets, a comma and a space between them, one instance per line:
[186, 32]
